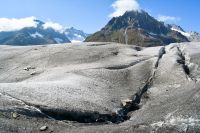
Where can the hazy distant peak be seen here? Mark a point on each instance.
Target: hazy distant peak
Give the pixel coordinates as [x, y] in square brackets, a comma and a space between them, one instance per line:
[75, 35]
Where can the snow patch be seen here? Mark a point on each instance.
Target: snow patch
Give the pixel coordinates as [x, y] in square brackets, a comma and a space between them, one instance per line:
[183, 33]
[79, 36]
[58, 40]
[36, 34]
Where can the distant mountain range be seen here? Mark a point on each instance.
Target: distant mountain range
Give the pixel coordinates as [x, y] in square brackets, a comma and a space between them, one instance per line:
[139, 28]
[41, 35]
[134, 27]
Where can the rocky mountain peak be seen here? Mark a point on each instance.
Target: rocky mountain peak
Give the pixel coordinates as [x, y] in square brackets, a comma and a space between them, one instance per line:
[138, 28]
[137, 20]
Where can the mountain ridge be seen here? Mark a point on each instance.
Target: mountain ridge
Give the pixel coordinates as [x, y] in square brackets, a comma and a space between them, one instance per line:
[41, 33]
[141, 29]
[32, 36]
[192, 36]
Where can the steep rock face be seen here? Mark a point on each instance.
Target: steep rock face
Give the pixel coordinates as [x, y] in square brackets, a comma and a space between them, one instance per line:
[139, 28]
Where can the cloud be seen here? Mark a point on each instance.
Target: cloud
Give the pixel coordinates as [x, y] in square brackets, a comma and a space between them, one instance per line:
[55, 26]
[168, 18]
[14, 24]
[121, 6]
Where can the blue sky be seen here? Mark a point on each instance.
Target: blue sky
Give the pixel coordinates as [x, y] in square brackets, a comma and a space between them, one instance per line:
[92, 15]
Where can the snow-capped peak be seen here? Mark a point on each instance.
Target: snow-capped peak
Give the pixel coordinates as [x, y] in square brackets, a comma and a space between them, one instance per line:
[75, 35]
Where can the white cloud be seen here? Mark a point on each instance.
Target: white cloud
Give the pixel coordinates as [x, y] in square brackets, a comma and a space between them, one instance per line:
[121, 6]
[14, 24]
[168, 18]
[55, 26]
